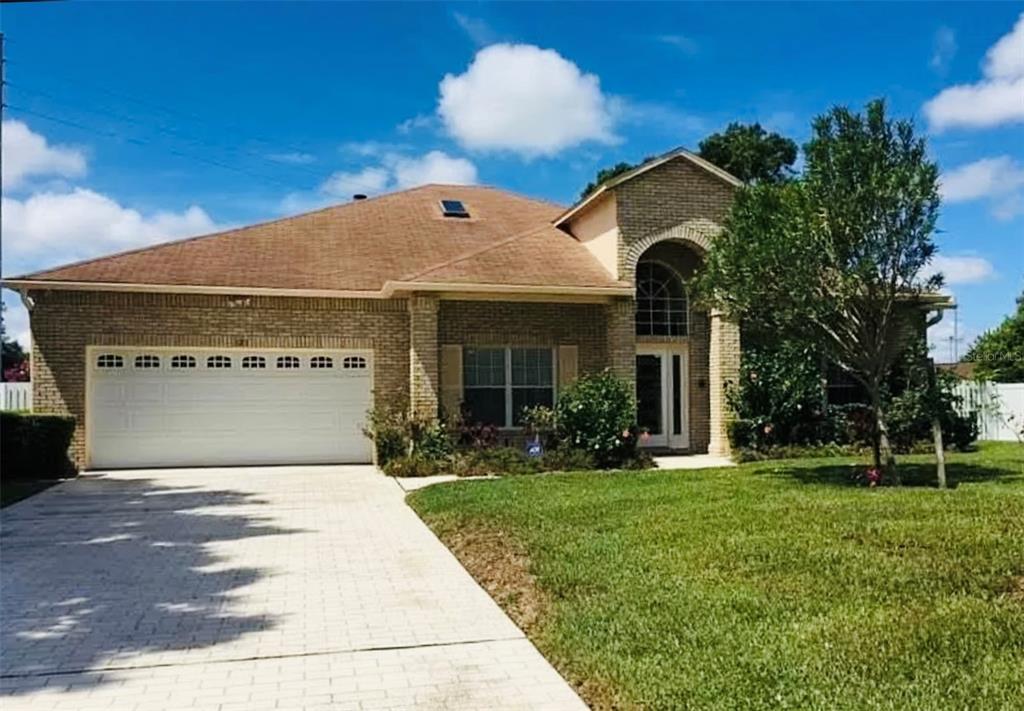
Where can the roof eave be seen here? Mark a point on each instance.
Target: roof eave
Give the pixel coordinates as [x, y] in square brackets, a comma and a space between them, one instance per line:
[390, 289]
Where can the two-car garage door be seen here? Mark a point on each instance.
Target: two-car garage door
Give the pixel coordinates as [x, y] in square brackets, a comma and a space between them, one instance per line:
[189, 407]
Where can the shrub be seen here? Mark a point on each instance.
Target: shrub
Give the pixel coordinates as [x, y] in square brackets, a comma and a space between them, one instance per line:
[396, 433]
[35, 446]
[566, 459]
[597, 414]
[910, 418]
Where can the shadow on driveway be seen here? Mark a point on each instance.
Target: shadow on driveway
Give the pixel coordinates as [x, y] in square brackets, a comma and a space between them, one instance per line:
[101, 570]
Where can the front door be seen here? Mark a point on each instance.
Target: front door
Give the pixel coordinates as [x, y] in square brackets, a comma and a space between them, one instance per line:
[661, 378]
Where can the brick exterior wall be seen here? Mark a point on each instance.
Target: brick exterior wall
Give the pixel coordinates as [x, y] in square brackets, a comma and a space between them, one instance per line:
[424, 386]
[678, 205]
[502, 323]
[674, 193]
[65, 322]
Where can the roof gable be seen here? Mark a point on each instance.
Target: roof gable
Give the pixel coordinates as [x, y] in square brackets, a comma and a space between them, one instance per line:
[677, 154]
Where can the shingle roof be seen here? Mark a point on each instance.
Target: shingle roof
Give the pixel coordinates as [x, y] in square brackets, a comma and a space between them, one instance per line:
[361, 246]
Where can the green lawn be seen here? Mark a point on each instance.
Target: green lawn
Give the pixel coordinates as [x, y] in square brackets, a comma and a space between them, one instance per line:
[770, 585]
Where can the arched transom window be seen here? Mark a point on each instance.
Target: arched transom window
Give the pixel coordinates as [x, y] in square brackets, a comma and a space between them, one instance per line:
[660, 300]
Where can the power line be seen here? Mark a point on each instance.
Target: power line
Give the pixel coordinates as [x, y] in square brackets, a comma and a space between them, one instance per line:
[141, 142]
[167, 131]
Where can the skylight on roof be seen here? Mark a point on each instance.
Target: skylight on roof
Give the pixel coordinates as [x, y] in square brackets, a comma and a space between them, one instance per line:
[453, 208]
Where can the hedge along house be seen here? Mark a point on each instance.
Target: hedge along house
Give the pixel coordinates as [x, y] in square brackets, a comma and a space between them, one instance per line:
[268, 344]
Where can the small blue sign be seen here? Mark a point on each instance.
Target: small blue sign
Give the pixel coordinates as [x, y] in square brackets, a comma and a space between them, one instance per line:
[534, 448]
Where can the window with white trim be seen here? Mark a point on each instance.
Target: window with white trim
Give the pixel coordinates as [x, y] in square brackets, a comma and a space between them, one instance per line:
[254, 361]
[147, 361]
[661, 305]
[109, 360]
[319, 362]
[287, 362]
[218, 361]
[353, 363]
[499, 383]
[179, 362]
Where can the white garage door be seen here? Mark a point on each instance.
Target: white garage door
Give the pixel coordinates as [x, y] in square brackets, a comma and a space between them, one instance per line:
[186, 407]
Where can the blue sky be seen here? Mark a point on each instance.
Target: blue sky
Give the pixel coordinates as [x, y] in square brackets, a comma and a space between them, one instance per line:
[132, 124]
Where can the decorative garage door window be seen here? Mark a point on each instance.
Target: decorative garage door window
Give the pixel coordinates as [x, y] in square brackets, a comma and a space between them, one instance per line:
[288, 362]
[218, 361]
[353, 363]
[183, 361]
[254, 362]
[109, 360]
[499, 383]
[147, 361]
[321, 362]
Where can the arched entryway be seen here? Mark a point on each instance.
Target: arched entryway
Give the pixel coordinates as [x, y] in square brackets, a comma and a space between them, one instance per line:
[664, 326]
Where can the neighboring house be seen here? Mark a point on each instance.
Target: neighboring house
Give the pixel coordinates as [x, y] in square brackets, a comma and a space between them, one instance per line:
[268, 344]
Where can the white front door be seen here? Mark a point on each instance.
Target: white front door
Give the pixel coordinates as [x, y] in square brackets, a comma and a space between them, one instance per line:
[177, 407]
[662, 396]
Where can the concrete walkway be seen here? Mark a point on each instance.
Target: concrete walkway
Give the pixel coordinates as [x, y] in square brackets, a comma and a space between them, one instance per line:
[249, 588]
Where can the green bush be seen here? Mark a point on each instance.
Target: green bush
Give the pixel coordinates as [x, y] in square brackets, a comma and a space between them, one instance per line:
[909, 417]
[35, 446]
[396, 433]
[597, 414]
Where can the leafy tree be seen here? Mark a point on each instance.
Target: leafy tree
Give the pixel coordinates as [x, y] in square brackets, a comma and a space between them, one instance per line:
[835, 258]
[750, 153]
[606, 174]
[999, 353]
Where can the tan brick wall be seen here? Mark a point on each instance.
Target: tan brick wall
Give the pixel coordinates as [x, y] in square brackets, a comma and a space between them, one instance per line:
[675, 193]
[65, 322]
[423, 355]
[685, 201]
[502, 323]
[724, 369]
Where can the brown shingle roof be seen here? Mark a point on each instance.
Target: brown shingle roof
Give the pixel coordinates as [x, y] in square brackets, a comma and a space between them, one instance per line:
[360, 246]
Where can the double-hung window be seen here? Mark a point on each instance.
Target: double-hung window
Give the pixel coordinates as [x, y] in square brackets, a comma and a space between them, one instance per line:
[499, 383]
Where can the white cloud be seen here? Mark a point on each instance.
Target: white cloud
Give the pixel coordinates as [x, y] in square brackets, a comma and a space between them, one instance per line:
[961, 270]
[434, 167]
[943, 49]
[996, 99]
[478, 31]
[294, 158]
[999, 180]
[524, 99]
[416, 123]
[62, 227]
[27, 154]
[368, 181]
[684, 44]
[395, 171]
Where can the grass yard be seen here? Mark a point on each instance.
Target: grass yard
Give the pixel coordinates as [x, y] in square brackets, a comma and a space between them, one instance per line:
[770, 585]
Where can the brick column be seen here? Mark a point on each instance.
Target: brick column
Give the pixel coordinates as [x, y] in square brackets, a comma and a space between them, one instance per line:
[621, 338]
[723, 367]
[423, 379]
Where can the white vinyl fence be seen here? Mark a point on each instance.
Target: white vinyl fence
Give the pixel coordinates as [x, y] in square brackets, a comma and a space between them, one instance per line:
[999, 408]
[15, 396]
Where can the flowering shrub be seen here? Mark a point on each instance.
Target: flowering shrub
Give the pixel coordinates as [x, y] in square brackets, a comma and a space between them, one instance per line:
[597, 414]
[18, 373]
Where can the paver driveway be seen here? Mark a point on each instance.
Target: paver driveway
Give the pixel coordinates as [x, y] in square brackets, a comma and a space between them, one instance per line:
[285, 587]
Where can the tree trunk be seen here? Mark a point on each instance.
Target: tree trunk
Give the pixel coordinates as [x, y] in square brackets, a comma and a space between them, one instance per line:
[940, 454]
[884, 460]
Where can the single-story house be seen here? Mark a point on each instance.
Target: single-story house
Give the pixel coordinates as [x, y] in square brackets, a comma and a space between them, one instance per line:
[269, 344]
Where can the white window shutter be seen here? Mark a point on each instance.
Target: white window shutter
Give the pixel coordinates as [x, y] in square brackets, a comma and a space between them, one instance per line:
[568, 357]
[451, 380]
